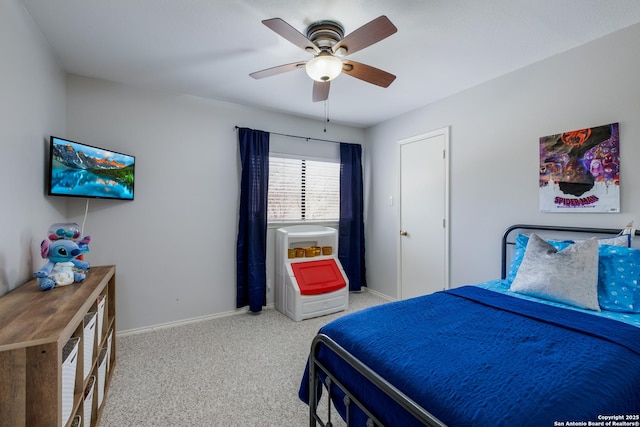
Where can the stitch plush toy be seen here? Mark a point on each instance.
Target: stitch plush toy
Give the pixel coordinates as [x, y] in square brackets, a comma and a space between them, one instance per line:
[62, 267]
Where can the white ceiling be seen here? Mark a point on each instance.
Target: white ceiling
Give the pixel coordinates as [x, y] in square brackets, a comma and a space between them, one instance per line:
[208, 47]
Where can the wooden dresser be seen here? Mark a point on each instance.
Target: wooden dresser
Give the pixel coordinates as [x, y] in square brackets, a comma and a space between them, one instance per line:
[35, 326]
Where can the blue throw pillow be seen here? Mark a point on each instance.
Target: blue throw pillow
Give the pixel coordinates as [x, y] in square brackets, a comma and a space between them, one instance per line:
[618, 279]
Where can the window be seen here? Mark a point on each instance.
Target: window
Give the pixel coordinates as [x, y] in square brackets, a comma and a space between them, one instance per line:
[303, 190]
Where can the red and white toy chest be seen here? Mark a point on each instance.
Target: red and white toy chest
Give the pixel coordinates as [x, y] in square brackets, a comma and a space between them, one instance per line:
[309, 287]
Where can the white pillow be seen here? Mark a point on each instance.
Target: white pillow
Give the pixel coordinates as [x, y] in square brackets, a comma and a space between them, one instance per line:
[621, 240]
[569, 276]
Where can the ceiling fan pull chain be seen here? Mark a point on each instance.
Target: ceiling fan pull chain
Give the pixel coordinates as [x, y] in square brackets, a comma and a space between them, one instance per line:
[326, 114]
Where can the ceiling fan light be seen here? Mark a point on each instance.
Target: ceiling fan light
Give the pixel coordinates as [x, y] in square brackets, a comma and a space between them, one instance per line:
[324, 68]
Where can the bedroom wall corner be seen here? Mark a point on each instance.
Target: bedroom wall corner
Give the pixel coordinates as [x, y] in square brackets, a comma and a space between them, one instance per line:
[495, 130]
[175, 244]
[32, 107]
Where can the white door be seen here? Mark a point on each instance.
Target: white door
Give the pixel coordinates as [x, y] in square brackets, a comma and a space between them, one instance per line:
[423, 259]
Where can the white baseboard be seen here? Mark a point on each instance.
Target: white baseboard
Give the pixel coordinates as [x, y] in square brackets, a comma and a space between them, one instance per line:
[216, 316]
[378, 294]
[152, 328]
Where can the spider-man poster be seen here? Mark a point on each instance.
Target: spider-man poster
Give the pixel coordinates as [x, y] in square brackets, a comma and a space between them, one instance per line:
[580, 170]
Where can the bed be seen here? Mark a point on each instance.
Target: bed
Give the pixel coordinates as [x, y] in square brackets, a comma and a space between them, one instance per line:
[486, 355]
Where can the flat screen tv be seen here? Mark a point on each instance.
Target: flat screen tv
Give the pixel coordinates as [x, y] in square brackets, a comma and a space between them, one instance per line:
[80, 170]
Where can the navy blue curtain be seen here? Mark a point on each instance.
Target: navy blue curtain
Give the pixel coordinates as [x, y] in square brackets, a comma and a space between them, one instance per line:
[252, 226]
[351, 229]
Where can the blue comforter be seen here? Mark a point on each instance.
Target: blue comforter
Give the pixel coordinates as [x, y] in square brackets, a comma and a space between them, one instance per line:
[473, 357]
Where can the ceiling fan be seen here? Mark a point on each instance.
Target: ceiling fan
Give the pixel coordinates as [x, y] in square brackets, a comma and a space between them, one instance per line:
[326, 41]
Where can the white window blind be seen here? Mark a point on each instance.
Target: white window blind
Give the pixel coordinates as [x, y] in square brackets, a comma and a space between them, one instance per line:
[302, 189]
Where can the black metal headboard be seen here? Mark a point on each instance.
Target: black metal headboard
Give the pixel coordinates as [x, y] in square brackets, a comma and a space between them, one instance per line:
[578, 230]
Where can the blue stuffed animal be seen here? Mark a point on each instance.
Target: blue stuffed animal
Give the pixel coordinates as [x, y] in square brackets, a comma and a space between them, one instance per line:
[62, 266]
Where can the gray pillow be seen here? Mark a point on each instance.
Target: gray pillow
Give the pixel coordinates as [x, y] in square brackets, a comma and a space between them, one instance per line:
[569, 276]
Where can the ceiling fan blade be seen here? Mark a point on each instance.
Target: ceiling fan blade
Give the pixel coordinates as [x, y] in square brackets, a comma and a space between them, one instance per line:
[277, 70]
[288, 32]
[367, 73]
[370, 33]
[321, 91]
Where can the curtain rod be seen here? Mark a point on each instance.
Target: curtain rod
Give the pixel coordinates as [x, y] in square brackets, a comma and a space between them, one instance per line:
[308, 138]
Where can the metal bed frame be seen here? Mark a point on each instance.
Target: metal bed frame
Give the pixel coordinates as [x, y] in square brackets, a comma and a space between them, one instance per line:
[420, 414]
[376, 380]
[579, 230]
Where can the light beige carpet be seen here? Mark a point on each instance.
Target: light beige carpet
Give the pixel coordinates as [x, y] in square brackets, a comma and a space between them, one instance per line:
[240, 370]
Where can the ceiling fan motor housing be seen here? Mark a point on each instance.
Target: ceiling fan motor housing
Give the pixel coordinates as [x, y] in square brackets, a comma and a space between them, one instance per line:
[325, 66]
[325, 34]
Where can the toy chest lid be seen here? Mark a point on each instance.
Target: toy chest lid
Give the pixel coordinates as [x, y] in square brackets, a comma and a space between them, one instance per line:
[318, 277]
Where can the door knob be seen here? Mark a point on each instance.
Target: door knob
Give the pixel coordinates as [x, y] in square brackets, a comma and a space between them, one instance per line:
[403, 233]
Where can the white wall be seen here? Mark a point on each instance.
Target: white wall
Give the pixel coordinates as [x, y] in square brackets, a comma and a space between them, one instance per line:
[175, 244]
[32, 106]
[495, 128]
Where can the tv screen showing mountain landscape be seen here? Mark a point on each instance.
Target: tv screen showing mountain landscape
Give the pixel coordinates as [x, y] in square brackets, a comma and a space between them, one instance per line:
[84, 171]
